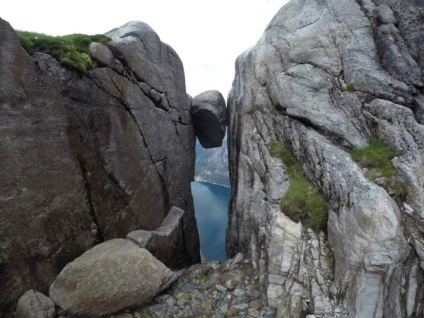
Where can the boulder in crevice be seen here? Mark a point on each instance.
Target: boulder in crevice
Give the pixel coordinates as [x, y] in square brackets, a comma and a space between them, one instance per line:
[209, 115]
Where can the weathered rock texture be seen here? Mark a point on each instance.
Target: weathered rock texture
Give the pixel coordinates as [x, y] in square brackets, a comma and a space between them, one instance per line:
[113, 275]
[209, 114]
[89, 158]
[164, 242]
[324, 76]
[33, 304]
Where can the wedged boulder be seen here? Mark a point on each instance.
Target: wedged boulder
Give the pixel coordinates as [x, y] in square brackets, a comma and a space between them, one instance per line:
[163, 242]
[112, 276]
[209, 115]
[33, 304]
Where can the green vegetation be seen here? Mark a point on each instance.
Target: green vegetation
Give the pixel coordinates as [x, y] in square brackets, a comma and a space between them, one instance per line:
[72, 50]
[349, 87]
[376, 158]
[302, 200]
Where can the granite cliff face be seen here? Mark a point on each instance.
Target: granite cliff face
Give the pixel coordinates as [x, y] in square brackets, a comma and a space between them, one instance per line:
[89, 158]
[324, 77]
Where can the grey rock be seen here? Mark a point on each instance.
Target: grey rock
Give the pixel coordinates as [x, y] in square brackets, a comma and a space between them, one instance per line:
[112, 276]
[221, 288]
[33, 304]
[384, 14]
[45, 213]
[138, 46]
[209, 115]
[164, 242]
[102, 54]
[79, 150]
[322, 78]
[396, 57]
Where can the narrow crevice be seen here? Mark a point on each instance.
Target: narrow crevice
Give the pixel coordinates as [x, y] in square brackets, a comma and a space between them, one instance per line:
[128, 109]
[87, 187]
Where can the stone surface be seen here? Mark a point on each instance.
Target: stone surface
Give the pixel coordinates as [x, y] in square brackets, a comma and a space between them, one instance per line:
[112, 276]
[101, 54]
[164, 242]
[45, 215]
[33, 304]
[81, 161]
[209, 115]
[324, 76]
[196, 293]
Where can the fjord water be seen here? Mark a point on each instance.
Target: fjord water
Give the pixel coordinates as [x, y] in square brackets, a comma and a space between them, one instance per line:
[211, 206]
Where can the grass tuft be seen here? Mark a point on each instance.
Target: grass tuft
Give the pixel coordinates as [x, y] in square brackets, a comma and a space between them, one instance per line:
[302, 200]
[71, 51]
[377, 159]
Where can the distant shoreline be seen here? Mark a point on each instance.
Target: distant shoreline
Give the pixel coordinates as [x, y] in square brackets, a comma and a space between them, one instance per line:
[196, 179]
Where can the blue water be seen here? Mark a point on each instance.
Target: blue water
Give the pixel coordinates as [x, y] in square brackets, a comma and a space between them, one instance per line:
[211, 207]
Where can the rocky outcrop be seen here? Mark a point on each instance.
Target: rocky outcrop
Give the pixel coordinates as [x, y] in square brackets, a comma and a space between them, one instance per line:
[87, 158]
[324, 77]
[113, 275]
[209, 115]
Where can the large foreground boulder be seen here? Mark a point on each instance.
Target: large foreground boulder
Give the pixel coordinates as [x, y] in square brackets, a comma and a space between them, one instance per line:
[112, 276]
[209, 115]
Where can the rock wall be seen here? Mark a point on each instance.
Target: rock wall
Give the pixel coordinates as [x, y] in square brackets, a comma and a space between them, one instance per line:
[89, 158]
[325, 76]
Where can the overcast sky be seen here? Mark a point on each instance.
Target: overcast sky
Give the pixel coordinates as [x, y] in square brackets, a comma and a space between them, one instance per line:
[208, 35]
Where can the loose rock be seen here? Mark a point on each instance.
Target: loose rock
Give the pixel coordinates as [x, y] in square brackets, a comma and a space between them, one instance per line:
[111, 276]
[33, 304]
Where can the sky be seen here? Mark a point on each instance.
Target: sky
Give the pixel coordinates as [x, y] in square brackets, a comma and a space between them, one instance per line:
[208, 35]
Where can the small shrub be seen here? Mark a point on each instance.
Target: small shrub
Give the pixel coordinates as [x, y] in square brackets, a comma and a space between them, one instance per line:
[318, 210]
[71, 51]
[302, 200]
[398, 187]
[294, 202]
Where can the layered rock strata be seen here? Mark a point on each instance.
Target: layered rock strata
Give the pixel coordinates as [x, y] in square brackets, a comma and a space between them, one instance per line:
[87, 158]
[324, 77]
